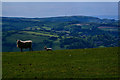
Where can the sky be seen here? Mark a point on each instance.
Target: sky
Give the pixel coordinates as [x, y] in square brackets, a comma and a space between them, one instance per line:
[60, 0]
[53, 9]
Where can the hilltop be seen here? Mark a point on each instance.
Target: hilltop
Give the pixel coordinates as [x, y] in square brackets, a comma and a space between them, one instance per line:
[74, 63]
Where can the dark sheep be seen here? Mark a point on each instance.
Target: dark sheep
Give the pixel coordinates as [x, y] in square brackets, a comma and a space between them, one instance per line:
[24, 45]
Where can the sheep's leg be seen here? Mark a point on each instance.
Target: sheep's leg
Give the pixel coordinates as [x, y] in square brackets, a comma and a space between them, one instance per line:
[21, 50]
[30, 49]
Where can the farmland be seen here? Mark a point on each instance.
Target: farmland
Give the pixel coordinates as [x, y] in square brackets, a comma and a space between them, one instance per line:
[73, 63]
[59, 33]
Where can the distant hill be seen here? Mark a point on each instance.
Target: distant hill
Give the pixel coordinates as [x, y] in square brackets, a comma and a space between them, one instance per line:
[68, 32]
[62, 64]
[108, 17]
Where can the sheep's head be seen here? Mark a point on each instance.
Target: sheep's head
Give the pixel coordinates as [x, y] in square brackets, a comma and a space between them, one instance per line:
[18, 41]
[45, 47]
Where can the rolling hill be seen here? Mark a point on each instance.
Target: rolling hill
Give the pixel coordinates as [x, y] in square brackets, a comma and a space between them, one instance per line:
[68, 32]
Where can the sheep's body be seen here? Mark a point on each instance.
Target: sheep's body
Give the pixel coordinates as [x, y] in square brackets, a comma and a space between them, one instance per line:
[48, 49]
[24, 44]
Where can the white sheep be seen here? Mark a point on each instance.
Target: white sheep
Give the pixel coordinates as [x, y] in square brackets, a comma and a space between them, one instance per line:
[47, 49]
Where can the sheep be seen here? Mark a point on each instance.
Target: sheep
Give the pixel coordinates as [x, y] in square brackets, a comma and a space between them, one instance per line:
[47, 49]
[24, 44]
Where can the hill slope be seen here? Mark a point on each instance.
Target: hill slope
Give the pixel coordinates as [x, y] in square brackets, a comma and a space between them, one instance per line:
[68, 32]
[76, 63]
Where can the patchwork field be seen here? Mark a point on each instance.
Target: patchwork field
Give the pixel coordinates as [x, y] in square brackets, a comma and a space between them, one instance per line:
[75, 63]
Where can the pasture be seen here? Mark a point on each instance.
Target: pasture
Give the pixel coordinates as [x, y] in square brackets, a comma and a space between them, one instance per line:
[75, 63]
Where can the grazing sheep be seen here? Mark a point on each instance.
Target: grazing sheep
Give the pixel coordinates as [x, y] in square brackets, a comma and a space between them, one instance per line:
[24, 44]
[47, 49]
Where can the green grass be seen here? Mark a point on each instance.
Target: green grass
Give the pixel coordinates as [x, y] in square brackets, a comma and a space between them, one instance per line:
[110, 29]
[34, 38]
[76, 63]
[36, 33]
[47, 28]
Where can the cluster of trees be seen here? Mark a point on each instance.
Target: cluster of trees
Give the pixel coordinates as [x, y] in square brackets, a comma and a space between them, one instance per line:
[105, 40]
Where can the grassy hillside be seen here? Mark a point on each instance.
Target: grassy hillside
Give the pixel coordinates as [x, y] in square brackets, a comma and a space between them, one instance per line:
[67, 32]
[75, 63]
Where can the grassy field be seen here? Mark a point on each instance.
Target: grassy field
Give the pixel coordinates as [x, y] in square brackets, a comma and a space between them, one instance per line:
[36, 33]
[76, 63]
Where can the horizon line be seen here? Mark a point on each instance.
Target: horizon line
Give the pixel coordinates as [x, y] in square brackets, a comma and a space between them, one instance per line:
[96, 16]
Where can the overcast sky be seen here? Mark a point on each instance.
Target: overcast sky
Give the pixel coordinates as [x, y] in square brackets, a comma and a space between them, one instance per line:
[51, 9]
[59, 0]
